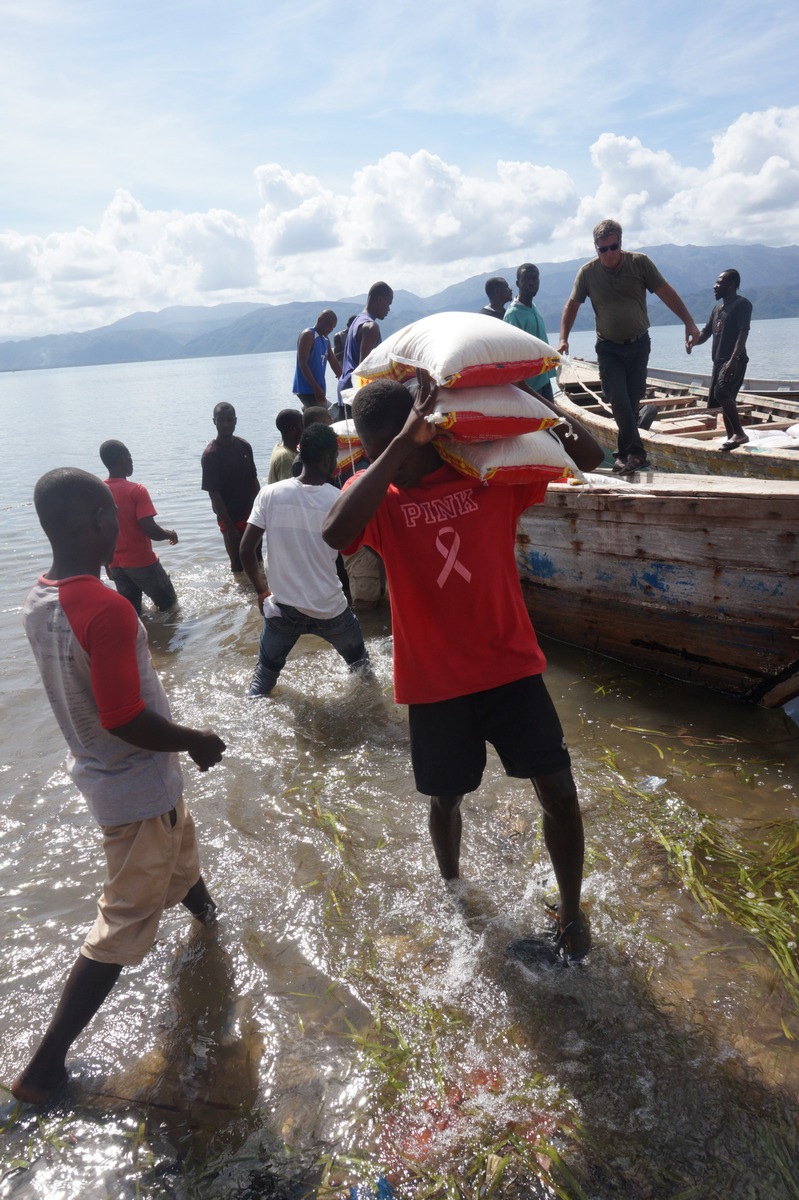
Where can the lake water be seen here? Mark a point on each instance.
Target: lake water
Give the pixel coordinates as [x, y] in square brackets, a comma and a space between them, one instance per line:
[772, 346]
[350, 1018]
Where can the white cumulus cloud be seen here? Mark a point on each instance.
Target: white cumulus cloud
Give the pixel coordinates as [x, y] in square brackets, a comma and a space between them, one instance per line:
[417, 220]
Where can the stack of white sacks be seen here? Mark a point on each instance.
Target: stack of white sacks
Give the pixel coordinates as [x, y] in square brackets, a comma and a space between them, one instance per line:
[489, 430]
[763, 438]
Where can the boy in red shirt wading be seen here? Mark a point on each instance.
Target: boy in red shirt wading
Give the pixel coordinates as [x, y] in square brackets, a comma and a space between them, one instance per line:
[92, 654]
[135, 569]
[466, 658]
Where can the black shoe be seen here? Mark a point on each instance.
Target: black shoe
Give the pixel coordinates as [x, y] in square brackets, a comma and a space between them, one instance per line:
[634, 463]
[734, 444]
[534, 952]
[619, 465]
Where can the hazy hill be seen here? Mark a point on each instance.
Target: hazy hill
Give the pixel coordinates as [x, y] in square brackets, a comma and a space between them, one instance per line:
[276, 327]
[769, 278]
[140, 337]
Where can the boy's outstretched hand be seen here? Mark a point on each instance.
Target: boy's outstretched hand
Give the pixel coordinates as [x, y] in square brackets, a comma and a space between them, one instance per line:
[207, 749]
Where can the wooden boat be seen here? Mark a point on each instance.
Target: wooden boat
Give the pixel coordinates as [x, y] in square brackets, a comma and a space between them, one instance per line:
[684, 436]
[692, 576]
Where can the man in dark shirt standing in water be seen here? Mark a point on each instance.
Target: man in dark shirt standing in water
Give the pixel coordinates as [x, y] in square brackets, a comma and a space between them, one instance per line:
[230, 478]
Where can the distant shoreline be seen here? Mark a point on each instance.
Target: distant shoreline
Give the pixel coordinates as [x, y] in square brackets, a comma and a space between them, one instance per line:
[768, 275]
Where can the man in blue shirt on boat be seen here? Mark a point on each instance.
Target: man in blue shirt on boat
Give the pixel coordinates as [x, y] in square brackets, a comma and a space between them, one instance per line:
[616, 282]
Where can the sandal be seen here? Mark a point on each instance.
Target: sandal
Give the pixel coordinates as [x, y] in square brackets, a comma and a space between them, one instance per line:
[572, 941]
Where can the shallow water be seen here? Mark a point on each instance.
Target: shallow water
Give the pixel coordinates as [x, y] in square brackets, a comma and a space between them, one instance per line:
[350, 1015]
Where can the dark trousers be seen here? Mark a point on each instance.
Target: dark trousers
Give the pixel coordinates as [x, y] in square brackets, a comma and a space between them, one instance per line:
[726, 393]
[622, 370]
[153, 581]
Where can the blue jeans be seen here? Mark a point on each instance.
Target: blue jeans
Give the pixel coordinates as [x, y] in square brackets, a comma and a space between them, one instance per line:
[622, 370]
[280, 634]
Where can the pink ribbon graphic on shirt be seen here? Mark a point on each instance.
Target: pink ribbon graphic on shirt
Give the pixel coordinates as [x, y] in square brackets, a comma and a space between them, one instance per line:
[451, 555]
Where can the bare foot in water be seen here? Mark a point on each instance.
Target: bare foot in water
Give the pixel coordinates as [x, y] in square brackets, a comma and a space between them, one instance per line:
[30, 1090]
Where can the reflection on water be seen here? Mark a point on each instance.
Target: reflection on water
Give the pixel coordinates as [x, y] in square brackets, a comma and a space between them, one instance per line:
[348, 1009]
[350, 1017]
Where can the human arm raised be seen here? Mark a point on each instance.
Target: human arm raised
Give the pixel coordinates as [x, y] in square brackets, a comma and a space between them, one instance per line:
[674, 301]
[150, 731]
[358, 503]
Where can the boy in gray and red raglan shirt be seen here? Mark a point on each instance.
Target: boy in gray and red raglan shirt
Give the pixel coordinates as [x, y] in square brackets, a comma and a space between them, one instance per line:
[92, 653]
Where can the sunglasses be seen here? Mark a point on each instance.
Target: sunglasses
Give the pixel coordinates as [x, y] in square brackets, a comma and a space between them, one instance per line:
[604, 249]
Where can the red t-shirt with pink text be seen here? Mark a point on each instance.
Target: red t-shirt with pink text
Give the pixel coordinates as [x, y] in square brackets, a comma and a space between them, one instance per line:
[459, 619]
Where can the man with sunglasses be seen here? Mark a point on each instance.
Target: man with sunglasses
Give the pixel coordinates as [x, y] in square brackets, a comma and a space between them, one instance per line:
[616, 282]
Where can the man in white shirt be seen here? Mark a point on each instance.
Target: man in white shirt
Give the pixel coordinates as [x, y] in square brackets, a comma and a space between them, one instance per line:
[303, 593]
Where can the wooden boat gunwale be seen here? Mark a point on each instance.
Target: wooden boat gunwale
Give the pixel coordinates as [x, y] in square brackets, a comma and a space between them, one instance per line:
[787, 389]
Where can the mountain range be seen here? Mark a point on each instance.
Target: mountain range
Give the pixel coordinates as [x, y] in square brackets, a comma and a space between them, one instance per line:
[769, 279]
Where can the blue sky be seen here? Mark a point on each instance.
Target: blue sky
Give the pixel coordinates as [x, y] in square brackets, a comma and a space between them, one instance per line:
[194, 152]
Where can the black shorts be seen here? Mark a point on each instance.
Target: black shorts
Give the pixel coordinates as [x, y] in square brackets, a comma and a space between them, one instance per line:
[448, 738]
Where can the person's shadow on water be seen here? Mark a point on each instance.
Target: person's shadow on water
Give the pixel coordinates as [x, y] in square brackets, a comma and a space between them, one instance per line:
[665, 1109]
[203, 1073]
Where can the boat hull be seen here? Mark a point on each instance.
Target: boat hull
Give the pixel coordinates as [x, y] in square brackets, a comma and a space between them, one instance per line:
[691, 577]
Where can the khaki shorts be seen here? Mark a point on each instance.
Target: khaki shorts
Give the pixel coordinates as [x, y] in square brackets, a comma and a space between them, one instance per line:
[150, 866]
[367, 577]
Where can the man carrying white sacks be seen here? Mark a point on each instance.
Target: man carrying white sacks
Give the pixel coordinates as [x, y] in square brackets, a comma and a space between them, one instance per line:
[466, 658]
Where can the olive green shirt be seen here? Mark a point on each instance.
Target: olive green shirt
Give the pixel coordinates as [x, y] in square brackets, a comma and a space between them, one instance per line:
[618, 297]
